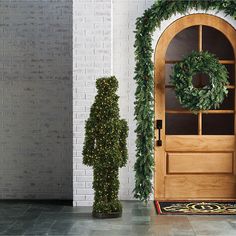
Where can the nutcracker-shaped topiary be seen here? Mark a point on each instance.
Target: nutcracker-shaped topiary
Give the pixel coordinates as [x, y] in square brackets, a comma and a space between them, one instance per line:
[105, 148]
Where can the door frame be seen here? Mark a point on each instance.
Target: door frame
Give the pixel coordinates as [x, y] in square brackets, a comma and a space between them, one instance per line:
[159, 72]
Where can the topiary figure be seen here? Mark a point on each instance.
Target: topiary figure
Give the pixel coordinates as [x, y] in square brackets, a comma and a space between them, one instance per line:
[105, 148]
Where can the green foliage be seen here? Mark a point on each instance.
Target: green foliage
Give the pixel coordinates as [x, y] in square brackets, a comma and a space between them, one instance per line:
[144, 104]
[105, 146]
[210, 96]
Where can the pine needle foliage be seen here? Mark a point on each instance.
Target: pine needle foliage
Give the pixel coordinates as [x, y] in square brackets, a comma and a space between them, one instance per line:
[144, 104]
[209, 96]
[105, 147]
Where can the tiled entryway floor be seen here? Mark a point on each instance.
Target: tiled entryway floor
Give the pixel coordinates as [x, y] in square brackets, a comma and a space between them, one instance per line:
[35, 218]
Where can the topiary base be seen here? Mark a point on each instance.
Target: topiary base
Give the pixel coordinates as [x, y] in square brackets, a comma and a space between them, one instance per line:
[107, 215]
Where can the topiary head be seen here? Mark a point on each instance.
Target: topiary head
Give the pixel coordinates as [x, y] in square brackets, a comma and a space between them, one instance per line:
[107, 85]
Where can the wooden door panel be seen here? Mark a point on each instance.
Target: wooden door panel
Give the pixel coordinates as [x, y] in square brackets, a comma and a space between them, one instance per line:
[194, 143]
[190, 163]
[200, 187]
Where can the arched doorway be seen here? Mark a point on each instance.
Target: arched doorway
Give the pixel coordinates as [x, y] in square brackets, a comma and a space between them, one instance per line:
[197, 157]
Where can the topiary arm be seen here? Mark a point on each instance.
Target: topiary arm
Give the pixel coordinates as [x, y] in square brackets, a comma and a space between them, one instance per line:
[89, 144]
[122, 141]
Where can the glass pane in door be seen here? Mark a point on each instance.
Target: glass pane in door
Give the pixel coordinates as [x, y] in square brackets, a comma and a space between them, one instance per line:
[183, 44]
[169, 71]
[218, 124]
[231, 73]
[216, 42]
[181, 124]
[172, 102]
[228, 103]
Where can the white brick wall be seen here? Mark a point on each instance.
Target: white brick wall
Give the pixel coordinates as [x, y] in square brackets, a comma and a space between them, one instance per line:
[124, 16]
[102, 52]
[92, 55]
[36, 99]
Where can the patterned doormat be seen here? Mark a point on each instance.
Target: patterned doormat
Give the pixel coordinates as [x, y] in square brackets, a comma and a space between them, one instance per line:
[195, 208]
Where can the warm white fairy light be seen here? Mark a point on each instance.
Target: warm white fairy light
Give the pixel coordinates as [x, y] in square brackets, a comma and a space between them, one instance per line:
[105, 146]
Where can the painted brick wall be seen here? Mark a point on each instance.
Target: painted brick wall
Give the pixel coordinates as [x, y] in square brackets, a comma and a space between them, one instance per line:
[124, 18]
[36, 99]
[92, 55]
[96, 24]
[120, 17]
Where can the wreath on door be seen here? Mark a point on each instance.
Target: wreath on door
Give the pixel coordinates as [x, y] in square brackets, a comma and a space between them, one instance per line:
[205, 98]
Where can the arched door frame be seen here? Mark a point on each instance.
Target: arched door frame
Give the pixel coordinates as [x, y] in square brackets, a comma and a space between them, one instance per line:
[159, 72]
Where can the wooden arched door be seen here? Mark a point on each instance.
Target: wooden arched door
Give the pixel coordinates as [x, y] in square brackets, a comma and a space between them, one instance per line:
[197, 157]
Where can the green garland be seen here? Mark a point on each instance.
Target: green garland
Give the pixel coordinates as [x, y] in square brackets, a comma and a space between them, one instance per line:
[210, 96]
[144, 104]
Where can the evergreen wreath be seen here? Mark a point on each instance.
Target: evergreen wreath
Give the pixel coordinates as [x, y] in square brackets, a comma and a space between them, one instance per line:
[210, 96]
[144, 104]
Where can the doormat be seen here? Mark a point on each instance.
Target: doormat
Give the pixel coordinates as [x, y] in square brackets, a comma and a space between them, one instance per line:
[195, 208]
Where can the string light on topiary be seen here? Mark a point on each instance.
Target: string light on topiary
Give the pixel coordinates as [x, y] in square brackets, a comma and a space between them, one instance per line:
[105, 147]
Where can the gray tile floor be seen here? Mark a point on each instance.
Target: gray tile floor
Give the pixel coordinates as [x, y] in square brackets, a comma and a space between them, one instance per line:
[27, 218]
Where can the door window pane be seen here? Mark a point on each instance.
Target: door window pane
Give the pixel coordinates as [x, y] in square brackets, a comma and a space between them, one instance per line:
[169, 72]
[231, 72]
[172, 102]
[215, 42]
[228, 103]
[181, 124]
[218, 124]
[183, 44]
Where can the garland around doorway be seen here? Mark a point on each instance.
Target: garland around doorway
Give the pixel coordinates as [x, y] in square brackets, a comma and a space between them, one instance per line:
[144, 77]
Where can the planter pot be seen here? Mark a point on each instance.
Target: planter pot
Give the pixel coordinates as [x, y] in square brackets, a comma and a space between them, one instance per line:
[107, 215]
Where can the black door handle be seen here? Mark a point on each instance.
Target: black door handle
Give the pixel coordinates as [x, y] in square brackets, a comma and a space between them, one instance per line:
[159, 127]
